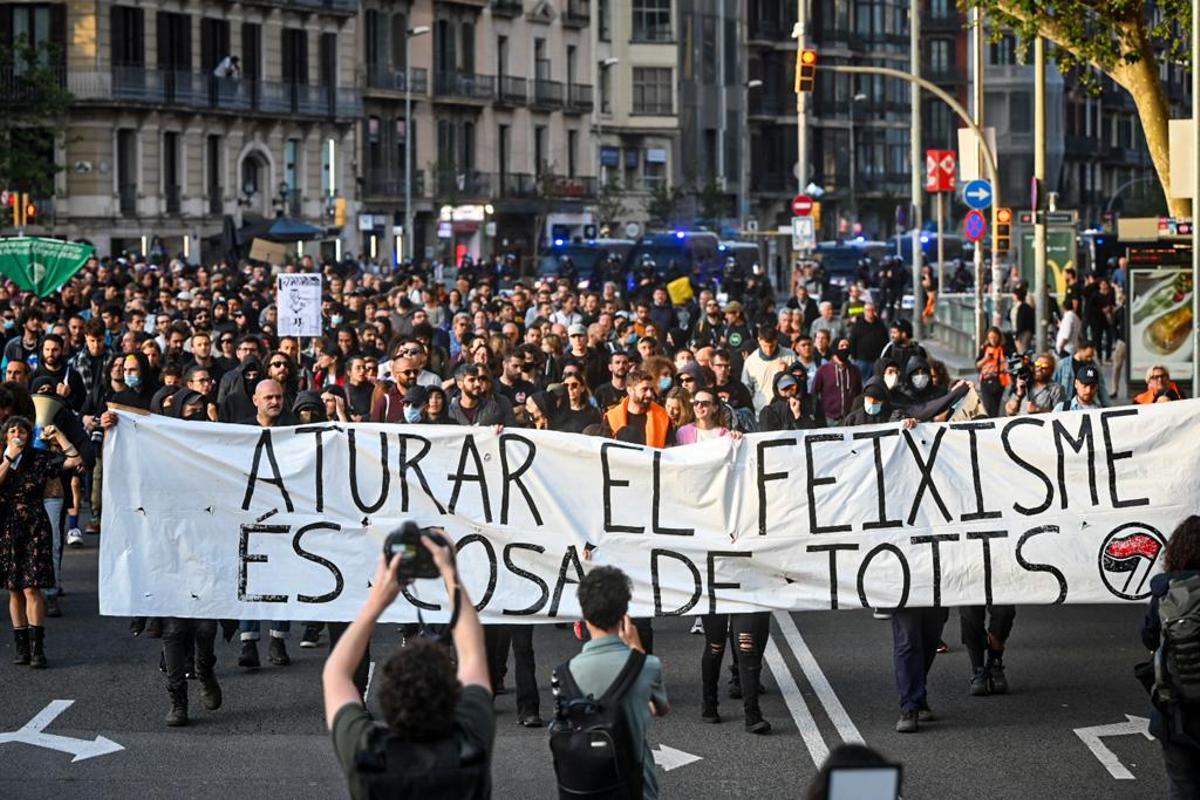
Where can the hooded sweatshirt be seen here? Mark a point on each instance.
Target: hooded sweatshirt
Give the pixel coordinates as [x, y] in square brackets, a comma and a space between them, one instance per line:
[777, 415]
[238, 403]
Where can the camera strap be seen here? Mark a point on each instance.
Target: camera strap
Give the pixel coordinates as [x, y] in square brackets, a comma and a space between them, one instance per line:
[443, 635]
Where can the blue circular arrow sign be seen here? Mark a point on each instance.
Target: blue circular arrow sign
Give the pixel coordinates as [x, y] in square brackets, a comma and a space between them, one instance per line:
[977, 194]
[974, 225]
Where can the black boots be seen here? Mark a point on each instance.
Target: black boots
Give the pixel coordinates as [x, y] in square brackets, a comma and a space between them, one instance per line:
[177, 717]
[37, 656]
[21, 655]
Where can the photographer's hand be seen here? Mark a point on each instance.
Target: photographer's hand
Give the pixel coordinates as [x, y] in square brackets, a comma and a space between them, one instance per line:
[385, 587]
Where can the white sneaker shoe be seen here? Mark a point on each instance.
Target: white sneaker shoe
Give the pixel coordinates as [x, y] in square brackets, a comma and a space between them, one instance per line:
[74, 538]
[697, 626]
[881, 614]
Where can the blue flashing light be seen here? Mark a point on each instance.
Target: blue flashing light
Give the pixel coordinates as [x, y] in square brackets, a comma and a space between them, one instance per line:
[559, 242]
[721, 248]
[860, 238]
[924, 240]
[680, 234]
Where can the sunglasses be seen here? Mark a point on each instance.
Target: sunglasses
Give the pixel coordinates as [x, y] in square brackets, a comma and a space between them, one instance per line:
[275, 364]
[699, 403]
[416, 351]
[572, 384]
[408, 372]
[1158, 377]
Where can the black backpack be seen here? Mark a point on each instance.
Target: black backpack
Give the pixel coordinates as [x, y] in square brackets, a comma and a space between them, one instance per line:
[447, 768]
[1177, 660]
[590, 739]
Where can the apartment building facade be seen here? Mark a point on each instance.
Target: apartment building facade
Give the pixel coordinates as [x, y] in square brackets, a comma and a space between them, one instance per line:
[502, 99]
[157, 150]
[637, 54]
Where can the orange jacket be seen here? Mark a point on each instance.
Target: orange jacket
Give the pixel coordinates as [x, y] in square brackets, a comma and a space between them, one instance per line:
[657, 422]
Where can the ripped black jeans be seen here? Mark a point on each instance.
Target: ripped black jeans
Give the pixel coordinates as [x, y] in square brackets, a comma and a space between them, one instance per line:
[749, 634]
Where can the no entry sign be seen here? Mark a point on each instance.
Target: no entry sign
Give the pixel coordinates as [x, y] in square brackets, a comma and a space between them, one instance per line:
[802, 205]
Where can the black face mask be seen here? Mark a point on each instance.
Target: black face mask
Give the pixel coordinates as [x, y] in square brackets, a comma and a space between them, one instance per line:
[843, 353]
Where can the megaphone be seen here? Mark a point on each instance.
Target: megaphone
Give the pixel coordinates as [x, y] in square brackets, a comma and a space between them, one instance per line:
[46, 407]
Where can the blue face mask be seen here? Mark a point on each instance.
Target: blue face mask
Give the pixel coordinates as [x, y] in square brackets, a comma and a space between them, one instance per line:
[664, 383]
[412, 414]
[873, 409]
[9, 324]
[133, 381]
[336, 320]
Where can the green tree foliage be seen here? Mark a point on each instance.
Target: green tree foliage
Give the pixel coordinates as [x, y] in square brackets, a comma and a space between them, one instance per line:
[663, 205]
[1123, 39]
[35, 102]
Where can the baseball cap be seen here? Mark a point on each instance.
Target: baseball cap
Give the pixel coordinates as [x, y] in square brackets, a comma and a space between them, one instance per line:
[786, 382]
[416, 396]
[184, 295]
[1088, 375]
[577, 330]
[733, 308]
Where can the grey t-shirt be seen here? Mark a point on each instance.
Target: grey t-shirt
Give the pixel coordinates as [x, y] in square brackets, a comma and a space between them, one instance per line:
[594, 670]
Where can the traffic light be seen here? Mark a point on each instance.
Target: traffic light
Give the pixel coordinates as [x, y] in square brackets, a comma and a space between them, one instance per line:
[339, 212]
[806, 70]
[31, 211]
[1003, 238]
[14, 200]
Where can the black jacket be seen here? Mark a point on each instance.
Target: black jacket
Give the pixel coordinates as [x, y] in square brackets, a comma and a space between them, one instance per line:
[1160, 723]
[238, 403]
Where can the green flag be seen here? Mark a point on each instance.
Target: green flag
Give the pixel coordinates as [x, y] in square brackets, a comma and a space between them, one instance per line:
[40, 265]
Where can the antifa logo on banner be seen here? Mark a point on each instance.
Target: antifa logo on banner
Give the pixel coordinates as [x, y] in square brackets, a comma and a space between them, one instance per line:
[1127, 557]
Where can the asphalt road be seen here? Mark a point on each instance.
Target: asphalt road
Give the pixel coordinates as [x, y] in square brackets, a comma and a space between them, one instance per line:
[830, 680]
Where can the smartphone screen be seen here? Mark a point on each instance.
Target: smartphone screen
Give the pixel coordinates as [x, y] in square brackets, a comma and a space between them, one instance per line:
[864, 783]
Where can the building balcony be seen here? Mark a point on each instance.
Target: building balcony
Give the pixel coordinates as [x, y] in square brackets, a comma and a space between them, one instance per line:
[172, 199]
[945, 21]
[579, 98]
[515, 185]
[173, 88]
[15, 89]
[127, 196]
[772, 183]
[547, 95]
[464, 86]
[767, 105]
[568, 188]
[507, 8]
[345, 8]
[767, 32]
[577, 14]
[389, 183]
[512, 91]
[381, 76]
[465, 184]
[945, 76]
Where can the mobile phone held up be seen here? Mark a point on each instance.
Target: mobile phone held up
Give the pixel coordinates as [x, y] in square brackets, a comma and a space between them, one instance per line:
[416, 561]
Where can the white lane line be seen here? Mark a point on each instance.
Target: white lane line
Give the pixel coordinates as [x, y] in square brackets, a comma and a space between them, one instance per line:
[816, 678]
[370, 672]
[796, 705]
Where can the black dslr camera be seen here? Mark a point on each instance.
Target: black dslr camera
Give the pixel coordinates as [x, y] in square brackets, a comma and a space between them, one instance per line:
[1020, 366]
[415, 560]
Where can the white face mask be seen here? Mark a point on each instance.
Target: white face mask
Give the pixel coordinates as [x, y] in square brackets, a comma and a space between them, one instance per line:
[872, 408]
[920, 381]
[891, 379]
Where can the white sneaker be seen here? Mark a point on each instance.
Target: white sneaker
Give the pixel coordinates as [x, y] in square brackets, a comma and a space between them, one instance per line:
[697, 626]
[74, 538]
[881, 614]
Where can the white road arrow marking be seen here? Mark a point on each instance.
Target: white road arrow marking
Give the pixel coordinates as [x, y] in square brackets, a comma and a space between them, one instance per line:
[979, 194]
[669, 758]
[32, 733]
[1092, 736]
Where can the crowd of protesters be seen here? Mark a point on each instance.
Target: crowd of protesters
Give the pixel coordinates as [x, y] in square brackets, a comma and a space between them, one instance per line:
[610, 360]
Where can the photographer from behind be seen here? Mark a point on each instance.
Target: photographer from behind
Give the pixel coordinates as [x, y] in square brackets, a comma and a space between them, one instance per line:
[439, 727]
[1034, 392]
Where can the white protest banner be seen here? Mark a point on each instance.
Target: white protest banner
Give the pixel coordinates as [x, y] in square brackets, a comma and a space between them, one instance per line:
[298, 301]
[223, 521]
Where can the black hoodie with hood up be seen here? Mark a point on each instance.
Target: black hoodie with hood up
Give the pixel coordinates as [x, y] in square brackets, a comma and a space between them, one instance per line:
[238, 402]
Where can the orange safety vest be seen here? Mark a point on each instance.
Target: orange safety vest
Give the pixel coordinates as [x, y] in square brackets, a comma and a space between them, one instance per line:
[657, 422]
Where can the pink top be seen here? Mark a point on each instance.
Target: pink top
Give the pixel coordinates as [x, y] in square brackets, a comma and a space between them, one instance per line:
[690, 434]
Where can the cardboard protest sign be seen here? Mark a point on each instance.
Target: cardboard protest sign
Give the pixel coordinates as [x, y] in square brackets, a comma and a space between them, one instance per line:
[288, 523]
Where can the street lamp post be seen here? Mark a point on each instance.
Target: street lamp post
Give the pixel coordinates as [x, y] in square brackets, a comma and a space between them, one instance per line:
[744, 150]
[858, 98]
[605, 65]
[409, 35]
